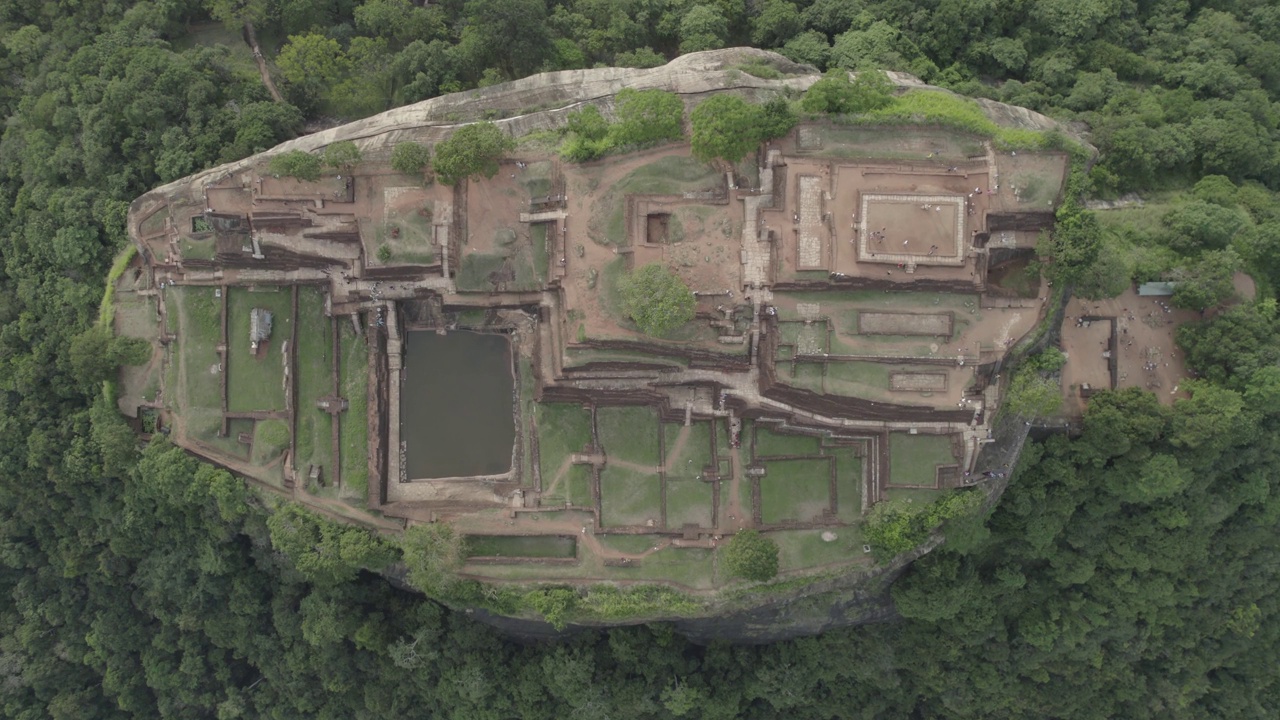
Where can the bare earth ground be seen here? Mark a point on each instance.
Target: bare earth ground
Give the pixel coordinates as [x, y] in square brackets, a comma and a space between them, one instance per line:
[1145, 332]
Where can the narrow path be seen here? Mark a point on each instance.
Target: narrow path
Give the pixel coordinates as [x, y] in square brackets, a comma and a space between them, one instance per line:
[734, 510]
[251, 39]
[677, 447]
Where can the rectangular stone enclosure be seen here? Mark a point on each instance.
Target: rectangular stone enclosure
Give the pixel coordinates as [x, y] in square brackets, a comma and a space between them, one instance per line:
[912, 229]
[881, 323]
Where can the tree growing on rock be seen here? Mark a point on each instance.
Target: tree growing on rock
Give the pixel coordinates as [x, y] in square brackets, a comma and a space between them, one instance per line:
[410, 158]
[656, 299]
[471, 150]
[296, 164]
[342, 154]
[751, 556]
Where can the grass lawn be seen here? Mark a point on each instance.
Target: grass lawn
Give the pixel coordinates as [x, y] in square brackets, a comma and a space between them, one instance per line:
[563, 429]
[473, 273]
[912, 498]
[696, 453]
[253, 383]
[628, 497]
[629, 433]
[533, 546]
[808, 376]
[541, 250]
[669, 175]
[848, 485]
[629, 543]
[688, 502]
[577, 485]
[800, 549]
[770, 443]
[198, 315]
[315, 380]
[692, 567]
[912, 458]
[353, 425]
[795, 490]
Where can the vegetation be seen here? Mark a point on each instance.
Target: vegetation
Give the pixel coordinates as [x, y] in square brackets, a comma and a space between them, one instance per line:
[1128, 572]
[471, 150]
[835, 93]
[296, 164]
[410, 158]
[656, 299]
[342, 155]
[751, 556]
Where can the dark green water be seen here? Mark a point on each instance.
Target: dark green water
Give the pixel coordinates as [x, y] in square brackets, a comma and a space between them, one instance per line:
[456, 404]
[531, 546]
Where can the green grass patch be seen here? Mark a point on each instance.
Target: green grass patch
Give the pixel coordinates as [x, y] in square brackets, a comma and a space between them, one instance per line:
[578, 484]
[689, 502]
[630, 544]
[199, 317]
[541, 250]
[270, 438]
[629, 497]
[670, 175]
[932, 107]
[695, 453]
[563, 429]
[257, 382]
[629, 433]
[801, 549]
[912, 458]
[353, 425]
[315, 380]
[770, 443]
[848, 485]
[794, 490]
[106, 309]
[531, 546]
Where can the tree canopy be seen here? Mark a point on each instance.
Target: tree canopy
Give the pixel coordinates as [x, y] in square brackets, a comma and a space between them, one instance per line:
[471, 150]
[751, 556]
[656, 299]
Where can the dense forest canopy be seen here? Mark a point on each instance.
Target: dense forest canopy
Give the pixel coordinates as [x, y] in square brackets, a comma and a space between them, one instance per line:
[1129, 572]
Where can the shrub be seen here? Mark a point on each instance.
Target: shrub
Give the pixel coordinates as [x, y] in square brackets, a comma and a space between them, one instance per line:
[751, 556]
[725, 127]
[656, 299]
[646, 117]
[296, 164]
[471, 150]
[410, 158]
[891, 529]
[342, 154]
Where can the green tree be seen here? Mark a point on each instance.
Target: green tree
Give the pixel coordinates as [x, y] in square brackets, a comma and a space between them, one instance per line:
[508, 34]
[296, 164]
[703, 27]
[809, 47]
[1208, 281]
[1075, 242]
[342, 155]
[656, 299]
[234, 13]
[639, 58]
[777, 119]
[778, 22]
[1229, 348]
[1032, 395]
[312, 65]
[751, 556]
[410, 158]
[471, 150]
[432, 552]
[725, 127]
[1199, 225]
[646, 117]
[835, 93]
